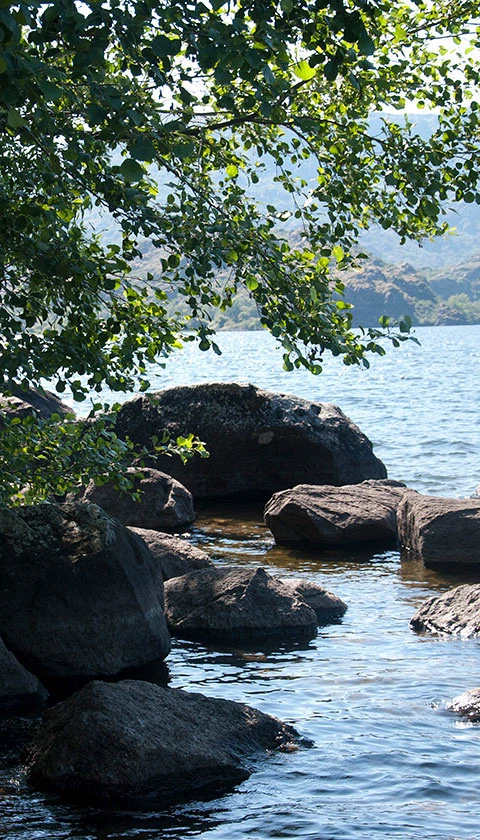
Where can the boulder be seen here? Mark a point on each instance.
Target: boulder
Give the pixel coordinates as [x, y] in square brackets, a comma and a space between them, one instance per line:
[467, 704]
[456, 612]
[80, 595]
[17, 686]
[131, 740]
[259, 442]
[332, 516]
[440, 531]
[326, 605]
[174, 555]
[21, 403]
[164, 504]
[231, 603]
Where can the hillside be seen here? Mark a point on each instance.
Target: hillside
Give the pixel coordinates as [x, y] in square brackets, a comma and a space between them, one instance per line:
[435, 283]
[381, 289]
[450, 295]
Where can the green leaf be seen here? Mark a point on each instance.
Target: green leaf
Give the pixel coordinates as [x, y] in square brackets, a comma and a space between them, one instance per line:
[268, 75]
[366, 45]
[304, 71]
[183, 150]
[15, 119]
[131, 170]
[331, 70]
[51, 92]
[163, 46]
[143, 149]
[96, 113]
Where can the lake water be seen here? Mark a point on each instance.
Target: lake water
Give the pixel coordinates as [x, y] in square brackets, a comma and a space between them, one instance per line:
[389, 760]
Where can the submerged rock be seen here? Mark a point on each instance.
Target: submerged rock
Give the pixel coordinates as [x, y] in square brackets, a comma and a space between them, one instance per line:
[127, 741]
[174, 555]
[164, 504]
[456, 612]
[17, 686]
[329, 515]
[230, 603]
[259, 442]
[440, 531]
[467, 704]
[80, 595]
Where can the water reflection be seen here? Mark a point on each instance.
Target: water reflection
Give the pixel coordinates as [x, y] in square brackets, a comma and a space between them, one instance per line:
[411, 571]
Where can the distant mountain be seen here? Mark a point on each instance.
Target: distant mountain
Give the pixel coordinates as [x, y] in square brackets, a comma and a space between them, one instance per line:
[447, 296]
[459, 245]
[450, 295]
[435, 283]
[378, 288]
[461, 278]
[463, 219]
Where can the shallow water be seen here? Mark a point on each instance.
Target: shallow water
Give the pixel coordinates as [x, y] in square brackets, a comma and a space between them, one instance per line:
[389, 761]
[418, 404]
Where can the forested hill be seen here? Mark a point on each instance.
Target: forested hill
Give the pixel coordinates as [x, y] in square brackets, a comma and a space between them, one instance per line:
[436, 283]
[446, 295]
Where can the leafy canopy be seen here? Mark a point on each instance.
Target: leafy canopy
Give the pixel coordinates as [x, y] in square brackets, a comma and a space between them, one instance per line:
[165, 115]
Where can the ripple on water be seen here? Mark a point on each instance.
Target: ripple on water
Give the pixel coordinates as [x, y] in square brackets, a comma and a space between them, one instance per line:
[389, 760]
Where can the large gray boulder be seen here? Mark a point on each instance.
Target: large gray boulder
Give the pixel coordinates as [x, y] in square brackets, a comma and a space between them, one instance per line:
[17, 686]
[80, 595]
[259, 442]
[227, 604]
[440, 531]
[456, 612]
[164, 504]
[467, 705]
[127, 741]
[174, 555]
[333, 516]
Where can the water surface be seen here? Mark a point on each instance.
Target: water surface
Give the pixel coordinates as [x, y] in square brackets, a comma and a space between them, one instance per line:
[389, 761]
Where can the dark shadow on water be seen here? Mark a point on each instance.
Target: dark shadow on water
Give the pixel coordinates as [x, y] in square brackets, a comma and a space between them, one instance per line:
[150, 820]
[175, 822]
[270, 644]
[240, 655]
[413, 571]
[235, 533]
[152, 826]
[156, 672]
[132, 807]
[349, 554]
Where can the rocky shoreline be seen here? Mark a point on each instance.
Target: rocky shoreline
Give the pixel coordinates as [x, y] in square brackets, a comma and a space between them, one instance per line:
[88, 592]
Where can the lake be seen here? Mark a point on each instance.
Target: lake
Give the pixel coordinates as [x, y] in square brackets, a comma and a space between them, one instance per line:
[389, 760]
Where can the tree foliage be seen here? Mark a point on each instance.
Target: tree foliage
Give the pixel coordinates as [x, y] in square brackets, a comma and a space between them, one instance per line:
[165, 114]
